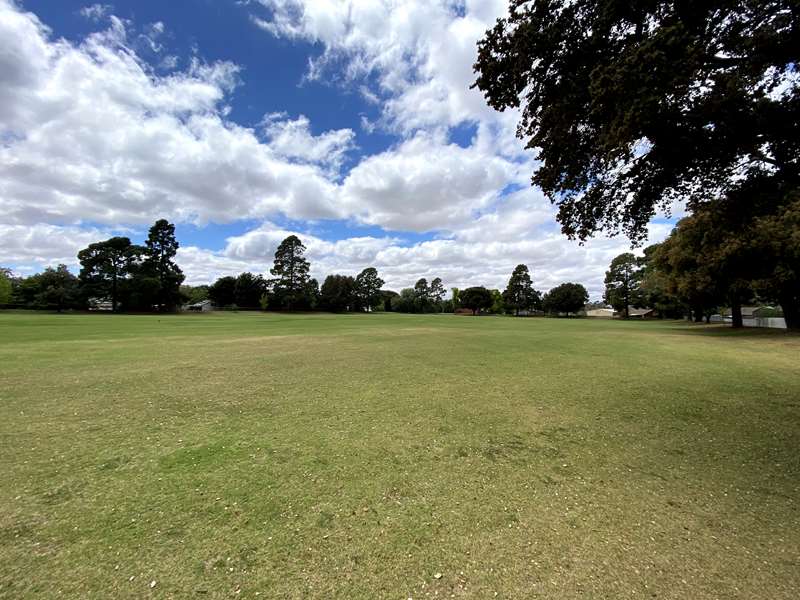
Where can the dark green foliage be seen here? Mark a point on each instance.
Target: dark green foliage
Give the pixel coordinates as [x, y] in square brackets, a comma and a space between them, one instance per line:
[367, 288]
[475, 299]
[387, 297]
[161, 248]
[622, 283]
[54, 288]
[107, 266]
[248, 289]
[519, 293]
[422, 296]
[223, 291]
[775, 258]
[5, 286]
[655, 290]
[290, 289]
[192, 294]
[406, 302]
[632, 105]
[566, 298]
[338, 293]
[436, 293]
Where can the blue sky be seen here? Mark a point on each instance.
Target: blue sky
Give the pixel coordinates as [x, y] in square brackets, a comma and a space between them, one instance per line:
[349, 123]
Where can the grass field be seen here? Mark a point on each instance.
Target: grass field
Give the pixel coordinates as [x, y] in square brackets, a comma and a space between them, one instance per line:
[393, 456]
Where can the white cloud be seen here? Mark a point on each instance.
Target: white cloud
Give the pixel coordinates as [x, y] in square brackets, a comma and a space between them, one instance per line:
[95, 12]
[45, 244]
[90, 132]
[292, 139]
[421, 51]
[424, 184]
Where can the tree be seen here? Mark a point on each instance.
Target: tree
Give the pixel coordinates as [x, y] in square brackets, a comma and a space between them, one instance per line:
[387, 297]
[654, 287]
[338, 293]
[622, 283]
[436, 292]
[223, 291]
[475, 299]
[632, 105]
[58, 288]
[248, 289]
[775, 242]
[707, 265]
[161, 248]
[406, 302]
[192, 294]
[291, 273]
[311, 295]
[565, 298]
[105, 265]
[519, 293]
[422, 295]
[368, 287]
[454, 295]
[5, 286]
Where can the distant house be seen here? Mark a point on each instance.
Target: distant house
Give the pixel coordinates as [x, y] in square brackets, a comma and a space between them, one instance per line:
[636, 313]
[202, 306]
[601, 313]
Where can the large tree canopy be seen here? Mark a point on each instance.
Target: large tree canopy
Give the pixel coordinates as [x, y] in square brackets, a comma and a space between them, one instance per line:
[104, 265]
[633, 105]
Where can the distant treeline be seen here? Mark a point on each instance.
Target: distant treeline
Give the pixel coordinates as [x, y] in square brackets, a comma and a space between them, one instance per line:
[120, 276]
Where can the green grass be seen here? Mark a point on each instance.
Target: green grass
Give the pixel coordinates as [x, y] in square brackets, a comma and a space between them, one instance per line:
[360, 456]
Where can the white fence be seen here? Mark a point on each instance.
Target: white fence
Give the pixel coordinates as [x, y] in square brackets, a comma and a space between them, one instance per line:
[771, 322]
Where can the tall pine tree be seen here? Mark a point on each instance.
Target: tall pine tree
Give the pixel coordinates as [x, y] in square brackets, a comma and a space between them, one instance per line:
[161, 248]
[290, 286]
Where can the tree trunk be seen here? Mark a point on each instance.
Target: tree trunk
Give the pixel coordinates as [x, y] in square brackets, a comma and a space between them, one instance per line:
[708, 319]
[791, 312]
[697, 314]
[736, 315]
[114, 293]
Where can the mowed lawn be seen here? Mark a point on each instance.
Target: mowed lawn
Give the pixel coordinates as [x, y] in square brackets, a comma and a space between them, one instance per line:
[395, 456]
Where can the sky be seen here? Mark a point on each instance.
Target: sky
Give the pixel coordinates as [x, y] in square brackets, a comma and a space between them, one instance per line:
[350, 123]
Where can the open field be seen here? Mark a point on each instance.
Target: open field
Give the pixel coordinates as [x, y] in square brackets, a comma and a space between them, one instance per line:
[395, 456]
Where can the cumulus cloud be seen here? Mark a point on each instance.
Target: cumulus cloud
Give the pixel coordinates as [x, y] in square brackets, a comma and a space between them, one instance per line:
[45, 244]
[420, 51]
[92, 132]
[292, 139]
[424, 184]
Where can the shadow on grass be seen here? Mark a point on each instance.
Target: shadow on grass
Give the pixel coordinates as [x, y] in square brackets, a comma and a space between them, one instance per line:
[726, 331]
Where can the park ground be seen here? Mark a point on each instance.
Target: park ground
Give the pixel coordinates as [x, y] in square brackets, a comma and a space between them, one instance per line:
[394, 456]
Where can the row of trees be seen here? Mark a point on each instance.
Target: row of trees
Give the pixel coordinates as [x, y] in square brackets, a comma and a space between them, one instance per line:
[145, 278]
[129, 276]
[706, 264]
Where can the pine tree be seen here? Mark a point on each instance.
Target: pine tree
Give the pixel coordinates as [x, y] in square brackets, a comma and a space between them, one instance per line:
[161, 248]
[519, 294]
[291, 273]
